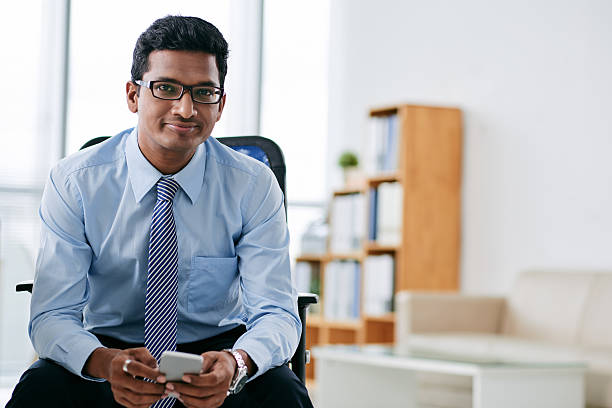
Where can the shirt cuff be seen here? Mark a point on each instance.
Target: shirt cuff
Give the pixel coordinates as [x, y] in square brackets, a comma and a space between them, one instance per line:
[257, 352]
[81, 348]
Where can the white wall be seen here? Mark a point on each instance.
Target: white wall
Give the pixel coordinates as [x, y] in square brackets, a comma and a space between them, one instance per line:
[534, 80]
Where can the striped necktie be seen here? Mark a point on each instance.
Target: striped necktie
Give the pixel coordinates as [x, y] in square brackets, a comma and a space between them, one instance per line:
[162, 278]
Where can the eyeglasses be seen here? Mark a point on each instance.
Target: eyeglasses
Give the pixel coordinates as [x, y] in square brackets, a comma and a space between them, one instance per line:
[173, 91]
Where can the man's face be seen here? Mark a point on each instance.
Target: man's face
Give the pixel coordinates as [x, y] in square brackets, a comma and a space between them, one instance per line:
[172, 129]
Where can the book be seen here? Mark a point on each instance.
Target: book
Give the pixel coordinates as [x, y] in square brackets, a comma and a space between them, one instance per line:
[347, 223]
[389, 214]
[378, 284]
[307, 279]
[342, 290]
[383, 145]
[301, 276]
[373, 202]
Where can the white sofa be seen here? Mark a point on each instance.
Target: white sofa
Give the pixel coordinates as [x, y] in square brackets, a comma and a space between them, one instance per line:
[548, 314]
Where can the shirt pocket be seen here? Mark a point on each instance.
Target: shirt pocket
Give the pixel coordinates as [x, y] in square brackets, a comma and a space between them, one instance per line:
[212, 283]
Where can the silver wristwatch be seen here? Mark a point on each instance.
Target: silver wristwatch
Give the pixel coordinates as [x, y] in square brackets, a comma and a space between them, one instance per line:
[241, 376]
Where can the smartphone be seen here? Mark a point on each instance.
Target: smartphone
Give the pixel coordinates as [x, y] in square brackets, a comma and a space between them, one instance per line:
[174, 364]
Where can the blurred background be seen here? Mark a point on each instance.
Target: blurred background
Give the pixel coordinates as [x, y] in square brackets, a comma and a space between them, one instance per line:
[531, 77]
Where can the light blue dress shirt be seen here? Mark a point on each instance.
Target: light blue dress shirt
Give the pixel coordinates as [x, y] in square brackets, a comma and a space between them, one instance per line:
[233, 265]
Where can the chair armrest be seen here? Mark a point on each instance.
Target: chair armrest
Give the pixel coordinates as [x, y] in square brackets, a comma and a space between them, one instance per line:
[300, 357]
[25, 286]
[419, 312]
[305, 299]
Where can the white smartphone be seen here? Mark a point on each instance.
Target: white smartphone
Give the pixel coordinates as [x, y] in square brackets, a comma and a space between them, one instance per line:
[174, 364]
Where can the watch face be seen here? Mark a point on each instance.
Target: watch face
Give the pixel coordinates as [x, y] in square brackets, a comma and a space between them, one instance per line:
[241, 381]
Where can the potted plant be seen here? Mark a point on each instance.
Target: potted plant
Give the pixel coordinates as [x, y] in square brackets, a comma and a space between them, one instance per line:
[349, 163]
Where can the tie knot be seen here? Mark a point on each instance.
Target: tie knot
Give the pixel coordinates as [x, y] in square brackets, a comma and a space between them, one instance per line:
[166, 188]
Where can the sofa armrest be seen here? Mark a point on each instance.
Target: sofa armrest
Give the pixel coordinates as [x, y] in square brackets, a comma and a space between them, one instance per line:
[426, 312]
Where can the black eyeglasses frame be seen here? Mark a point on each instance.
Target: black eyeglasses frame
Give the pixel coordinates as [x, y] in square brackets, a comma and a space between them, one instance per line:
[150, 84]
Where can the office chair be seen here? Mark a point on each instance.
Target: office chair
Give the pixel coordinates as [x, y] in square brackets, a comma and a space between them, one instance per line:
[269, 153]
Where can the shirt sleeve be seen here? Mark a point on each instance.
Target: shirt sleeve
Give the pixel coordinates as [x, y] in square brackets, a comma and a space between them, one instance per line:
[273, 323]
[60, 284]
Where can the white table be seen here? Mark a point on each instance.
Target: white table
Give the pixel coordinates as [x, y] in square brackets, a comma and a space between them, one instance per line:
[383, 376]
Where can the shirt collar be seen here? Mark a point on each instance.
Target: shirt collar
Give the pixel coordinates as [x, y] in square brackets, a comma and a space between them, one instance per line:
[143, 175]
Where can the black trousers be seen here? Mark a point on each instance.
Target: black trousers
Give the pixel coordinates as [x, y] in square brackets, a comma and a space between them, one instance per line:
[47, 384]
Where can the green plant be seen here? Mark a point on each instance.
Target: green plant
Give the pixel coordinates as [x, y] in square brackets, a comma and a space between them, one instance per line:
[348, 159]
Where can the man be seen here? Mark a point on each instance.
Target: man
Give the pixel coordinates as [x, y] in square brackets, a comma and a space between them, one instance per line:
[162, 238]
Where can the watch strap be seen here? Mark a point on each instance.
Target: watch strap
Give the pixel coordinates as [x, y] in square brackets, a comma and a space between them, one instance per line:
[240, 374]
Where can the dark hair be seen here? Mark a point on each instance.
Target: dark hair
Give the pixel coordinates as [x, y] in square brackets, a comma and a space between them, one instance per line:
[182, 34]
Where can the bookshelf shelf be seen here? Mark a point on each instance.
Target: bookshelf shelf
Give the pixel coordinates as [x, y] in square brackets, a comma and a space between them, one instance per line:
[311, 258]
[349, 256]
[345, 324]
[403, 224]
[374, 181]
[349, 191]
[387, 318]
[316, 320]
[372, 248]
[384, 111]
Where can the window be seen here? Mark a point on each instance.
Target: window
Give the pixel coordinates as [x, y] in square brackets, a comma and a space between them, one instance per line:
[30, 143]
[294, 103]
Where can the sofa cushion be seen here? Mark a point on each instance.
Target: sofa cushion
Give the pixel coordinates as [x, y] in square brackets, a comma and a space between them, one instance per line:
[547, 306]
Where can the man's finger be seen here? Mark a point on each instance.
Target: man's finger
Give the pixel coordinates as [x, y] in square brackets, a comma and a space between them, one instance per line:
[139, 397]
[126, 382]
[139, 386]
[211, 401]
[207, 361]
[130, 365]
[217, 378]
[144, 356]
[128, 369]
[193, 391]
[130, 401]
[126, 365]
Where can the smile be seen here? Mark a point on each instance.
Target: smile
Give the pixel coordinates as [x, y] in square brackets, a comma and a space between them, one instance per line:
[182, 127]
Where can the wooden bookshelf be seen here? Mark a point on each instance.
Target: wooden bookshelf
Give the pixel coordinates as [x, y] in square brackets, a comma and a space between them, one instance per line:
[427, 256]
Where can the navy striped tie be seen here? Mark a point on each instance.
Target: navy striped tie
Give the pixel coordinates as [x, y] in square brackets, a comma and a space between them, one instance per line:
[162, 279]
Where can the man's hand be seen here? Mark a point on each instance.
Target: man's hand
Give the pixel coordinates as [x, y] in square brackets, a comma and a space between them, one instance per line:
[128, 390]
[209, 389]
